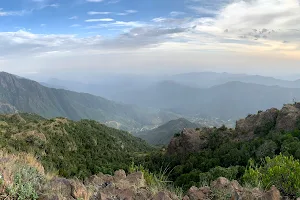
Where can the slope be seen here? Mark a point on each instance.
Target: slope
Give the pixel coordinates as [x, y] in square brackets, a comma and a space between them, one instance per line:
[72, 148]
[163, 134]
[29, 96]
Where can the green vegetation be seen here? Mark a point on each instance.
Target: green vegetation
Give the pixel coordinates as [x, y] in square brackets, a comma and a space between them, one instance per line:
[71, 148]
[282, 171]
[229, 158]
[83, 148]
[26, 182]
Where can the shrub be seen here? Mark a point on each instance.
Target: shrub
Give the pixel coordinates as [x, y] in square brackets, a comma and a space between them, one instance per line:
[157, 182]
[281, 171]
[27, 181]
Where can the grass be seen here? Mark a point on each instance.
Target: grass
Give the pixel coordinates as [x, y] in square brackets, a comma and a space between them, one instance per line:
[157, 182]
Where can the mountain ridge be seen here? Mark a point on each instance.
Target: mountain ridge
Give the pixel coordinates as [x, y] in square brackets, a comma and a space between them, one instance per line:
[29, 96]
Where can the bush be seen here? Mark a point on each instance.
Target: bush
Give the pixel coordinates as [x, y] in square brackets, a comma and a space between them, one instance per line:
[27, 181]
[281, 171]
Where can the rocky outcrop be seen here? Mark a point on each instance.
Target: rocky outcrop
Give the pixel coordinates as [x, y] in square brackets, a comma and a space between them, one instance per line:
[286, 119]
[222, 188]
[104, 187]
[255, 123]
[188, 141]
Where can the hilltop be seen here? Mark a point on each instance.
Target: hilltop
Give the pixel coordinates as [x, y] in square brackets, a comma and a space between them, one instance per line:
[22, 95]
[163, 134]
[71, 148]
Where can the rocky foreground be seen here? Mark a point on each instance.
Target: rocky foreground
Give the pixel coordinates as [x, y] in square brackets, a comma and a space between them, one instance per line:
[120, 186]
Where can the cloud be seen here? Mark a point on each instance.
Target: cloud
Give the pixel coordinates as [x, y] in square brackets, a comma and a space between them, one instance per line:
[176, 13]
[4, 13]
[100, 20]
[126, 12]
[129, 24]
[236, 33]
[98, 13]
[75, 25]
[73, 17]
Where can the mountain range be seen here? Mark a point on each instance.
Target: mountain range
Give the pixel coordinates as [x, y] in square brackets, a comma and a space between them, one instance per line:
[23, 95]
[231, 100]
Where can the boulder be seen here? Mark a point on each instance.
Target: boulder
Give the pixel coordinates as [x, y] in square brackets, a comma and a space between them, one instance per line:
[255, 123]
[195, 193]
[120, 174]
[58, 188]
[165, 195]
[272, 194]
[221, 183]
[136, 179]
[189, 141]
[79, 191]
[288, 117]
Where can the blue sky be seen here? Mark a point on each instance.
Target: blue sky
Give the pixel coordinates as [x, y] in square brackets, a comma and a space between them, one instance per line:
[149, 36]
[69, 16]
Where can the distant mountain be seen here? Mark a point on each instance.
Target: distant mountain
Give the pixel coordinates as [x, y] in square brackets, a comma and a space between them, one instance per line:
[29, 96]
[231, 100]
[209, 79]
[163, 134]
[104, 87]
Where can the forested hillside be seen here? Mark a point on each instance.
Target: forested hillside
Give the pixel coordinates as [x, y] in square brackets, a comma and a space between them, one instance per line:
[72, 148]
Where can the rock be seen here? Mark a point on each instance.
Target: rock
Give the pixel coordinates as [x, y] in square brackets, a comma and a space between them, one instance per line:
[255, 123]
[142, 194]
[236, 186]
[100, 180]
[189, 141]
[198, 194]
[164, 195]
[272, 194]
[288, 117]
[103, 196]
[120, 174]
[57, 189]
[136, 179]
[186, 198]
[125, 194]
[221, 183]
[79, 191]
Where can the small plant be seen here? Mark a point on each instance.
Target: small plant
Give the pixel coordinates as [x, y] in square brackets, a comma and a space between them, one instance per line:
[281, 171]
[157, 182]
[26, 183]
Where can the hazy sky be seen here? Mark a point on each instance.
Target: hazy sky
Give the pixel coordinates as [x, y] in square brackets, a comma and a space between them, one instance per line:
[149, 36]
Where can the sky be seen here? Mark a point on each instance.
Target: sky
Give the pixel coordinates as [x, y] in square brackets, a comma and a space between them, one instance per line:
[50, 37]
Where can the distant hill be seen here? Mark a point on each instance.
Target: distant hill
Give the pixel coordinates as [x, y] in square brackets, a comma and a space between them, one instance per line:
[71, 148]
[231, 100]
[163, 134]
[25, 95]
[209, 79]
